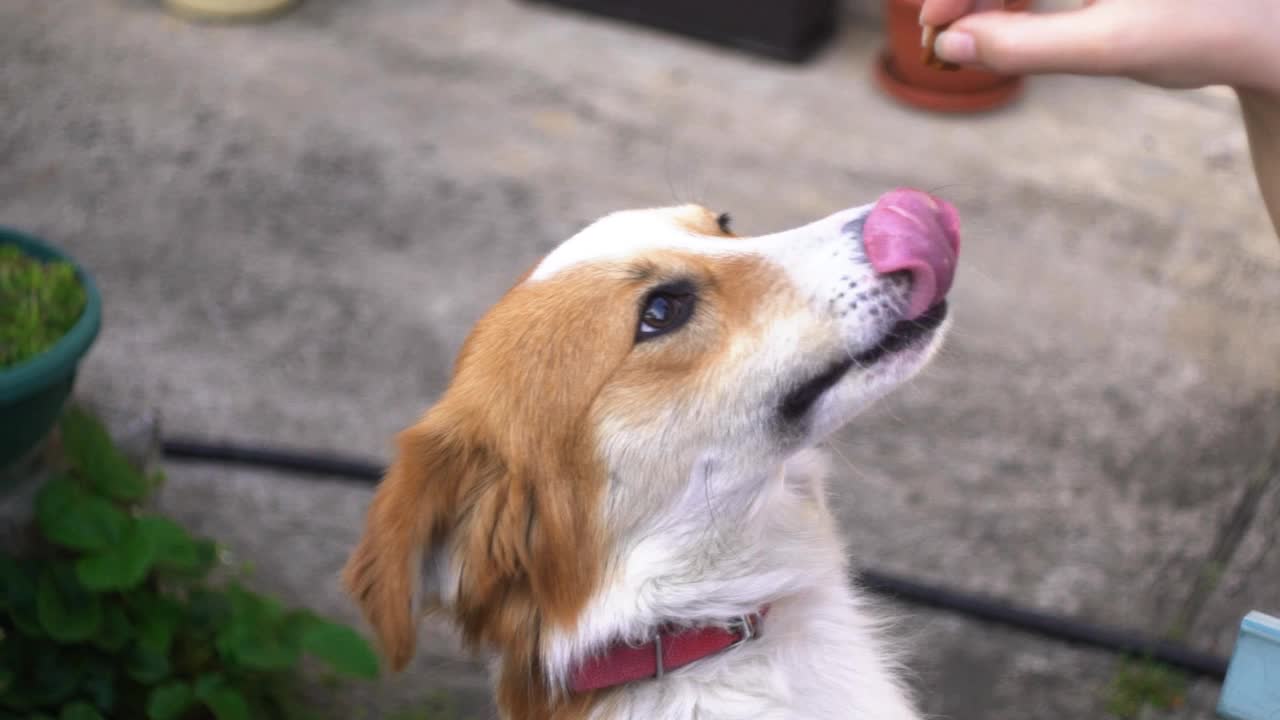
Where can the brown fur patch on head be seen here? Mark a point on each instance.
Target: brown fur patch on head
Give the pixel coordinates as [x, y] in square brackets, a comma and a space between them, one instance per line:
[502, 475]
[738, 299]
[501, 479]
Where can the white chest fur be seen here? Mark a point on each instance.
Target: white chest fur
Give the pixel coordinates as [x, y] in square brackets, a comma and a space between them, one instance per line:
[818, 654]
[817, 657]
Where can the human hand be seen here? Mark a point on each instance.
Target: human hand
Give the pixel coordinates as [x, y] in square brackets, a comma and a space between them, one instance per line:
[1170, 43]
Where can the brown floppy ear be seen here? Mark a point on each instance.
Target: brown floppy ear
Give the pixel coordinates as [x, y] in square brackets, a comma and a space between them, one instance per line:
[412, 513]
[525, 544]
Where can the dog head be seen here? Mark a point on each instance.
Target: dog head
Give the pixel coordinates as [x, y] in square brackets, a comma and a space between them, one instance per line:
[650, 362]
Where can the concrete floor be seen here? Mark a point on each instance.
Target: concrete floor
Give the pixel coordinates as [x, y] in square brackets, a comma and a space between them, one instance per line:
[295, 224]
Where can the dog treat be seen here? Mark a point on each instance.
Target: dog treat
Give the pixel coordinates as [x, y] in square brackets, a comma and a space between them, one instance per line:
[930, 58]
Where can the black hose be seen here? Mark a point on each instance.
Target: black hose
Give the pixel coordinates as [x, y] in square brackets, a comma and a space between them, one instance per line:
[1070, 630]
[311, 463]
[1077, 632]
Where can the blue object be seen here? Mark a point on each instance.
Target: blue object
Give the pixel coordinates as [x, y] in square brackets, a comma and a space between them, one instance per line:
[1252, 688]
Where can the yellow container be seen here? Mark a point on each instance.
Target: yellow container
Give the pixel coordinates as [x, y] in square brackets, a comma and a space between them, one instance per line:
[228, 10]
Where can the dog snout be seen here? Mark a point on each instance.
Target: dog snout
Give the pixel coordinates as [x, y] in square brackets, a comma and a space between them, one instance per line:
[911, 231]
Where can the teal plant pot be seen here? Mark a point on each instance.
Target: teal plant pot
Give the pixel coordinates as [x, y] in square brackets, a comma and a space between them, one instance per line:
[32, 393]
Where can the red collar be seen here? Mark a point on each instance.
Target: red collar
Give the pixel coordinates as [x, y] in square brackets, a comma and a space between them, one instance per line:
[673, 648]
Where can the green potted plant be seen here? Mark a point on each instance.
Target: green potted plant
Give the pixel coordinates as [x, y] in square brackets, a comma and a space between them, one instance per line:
[50, 312]
[113, 611]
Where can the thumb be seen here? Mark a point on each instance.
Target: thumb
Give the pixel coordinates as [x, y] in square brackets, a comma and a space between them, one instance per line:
[1078, 41]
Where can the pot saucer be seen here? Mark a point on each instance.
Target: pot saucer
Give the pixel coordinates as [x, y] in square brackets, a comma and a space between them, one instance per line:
[939, 100]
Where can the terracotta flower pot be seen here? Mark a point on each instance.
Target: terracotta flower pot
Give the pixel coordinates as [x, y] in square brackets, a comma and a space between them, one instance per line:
[903, 74]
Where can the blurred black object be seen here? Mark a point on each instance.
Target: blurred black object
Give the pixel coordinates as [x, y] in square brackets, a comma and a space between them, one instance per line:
[790, 30]
[981, 607]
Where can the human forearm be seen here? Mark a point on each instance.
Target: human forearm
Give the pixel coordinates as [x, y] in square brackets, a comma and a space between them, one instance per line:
[1261, 112]
[1188, 44]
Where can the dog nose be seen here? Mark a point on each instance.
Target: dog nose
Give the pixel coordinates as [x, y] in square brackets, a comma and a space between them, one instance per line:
[912, 231]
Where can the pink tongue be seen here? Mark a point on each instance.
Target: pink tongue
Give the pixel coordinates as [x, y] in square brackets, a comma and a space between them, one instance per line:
[912, 231]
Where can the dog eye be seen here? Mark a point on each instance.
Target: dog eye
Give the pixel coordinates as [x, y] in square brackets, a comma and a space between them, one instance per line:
[725, 222]
[663, 312]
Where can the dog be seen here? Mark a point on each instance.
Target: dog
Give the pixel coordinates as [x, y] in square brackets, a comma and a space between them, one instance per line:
[617, 497]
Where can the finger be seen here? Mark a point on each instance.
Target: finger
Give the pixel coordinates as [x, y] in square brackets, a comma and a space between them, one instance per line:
[1087, 41]
[941, 12]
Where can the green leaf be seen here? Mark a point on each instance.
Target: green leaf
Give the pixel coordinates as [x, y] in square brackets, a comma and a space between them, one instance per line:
[170, 701]
[143, 605]
[255, 637]
[14, 660]
[156, 634]
[226, 702]
[99, 683]
[51, 677]
[341, 647]
[207, 610]
[19, 592]
[94, 454]
[146, 665]
[123, 565]
[206, 684]
[67, 612]
[176, 550]
[69, 516]
[246, 605]
[115, 631]
[11, 574]
[266, 653]
[79, 711]
[155, 619]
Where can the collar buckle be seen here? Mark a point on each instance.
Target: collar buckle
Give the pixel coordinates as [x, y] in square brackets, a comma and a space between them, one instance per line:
[657, 656]
[747, 627]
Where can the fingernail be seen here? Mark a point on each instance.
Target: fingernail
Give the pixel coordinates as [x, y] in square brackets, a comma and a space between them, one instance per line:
[924, 37]
[956, 47]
